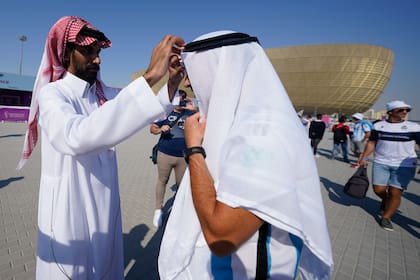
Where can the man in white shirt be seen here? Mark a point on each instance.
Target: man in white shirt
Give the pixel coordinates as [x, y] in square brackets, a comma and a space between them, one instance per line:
[81, 120]
[394, 165]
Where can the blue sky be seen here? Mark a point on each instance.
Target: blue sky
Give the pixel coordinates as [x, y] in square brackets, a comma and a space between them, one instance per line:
[135, 27]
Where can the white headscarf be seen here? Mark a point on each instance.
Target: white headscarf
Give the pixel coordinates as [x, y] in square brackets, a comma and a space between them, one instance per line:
[257, 154]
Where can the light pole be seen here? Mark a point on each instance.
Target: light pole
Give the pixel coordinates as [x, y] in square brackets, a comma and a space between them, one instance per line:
[22, 39]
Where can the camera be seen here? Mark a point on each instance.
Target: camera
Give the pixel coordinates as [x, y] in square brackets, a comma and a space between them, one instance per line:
[182, 96]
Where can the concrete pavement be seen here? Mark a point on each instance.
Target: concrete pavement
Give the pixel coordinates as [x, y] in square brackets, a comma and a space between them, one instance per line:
[361, 249]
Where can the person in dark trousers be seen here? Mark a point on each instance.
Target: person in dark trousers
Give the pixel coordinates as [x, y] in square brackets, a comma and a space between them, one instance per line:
[341, 134]
[316, 132]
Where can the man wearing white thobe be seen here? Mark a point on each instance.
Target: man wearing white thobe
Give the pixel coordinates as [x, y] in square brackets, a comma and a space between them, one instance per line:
[79, 217]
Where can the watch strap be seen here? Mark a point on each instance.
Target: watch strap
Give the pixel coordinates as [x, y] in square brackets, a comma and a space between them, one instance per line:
[193, 150]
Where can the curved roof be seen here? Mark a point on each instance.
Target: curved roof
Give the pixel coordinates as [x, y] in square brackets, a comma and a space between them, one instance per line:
[329, 78]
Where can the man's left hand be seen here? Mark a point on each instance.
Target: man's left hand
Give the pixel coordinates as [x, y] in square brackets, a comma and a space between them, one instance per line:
[194, 129]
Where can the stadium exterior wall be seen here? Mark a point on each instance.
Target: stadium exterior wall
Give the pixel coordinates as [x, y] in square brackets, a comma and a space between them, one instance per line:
[329, 78]
[333, 78]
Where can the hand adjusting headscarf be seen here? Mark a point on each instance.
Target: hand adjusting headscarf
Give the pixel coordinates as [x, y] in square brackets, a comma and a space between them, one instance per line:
[68, 29]
[257, 153]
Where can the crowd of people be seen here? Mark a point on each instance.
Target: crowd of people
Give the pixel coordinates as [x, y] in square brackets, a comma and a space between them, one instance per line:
[246, 206]
[392, 142]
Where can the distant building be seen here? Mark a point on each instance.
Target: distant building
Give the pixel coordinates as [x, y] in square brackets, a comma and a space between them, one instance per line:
[15, 96]
[372, 115]
[333, 78]
[15, 90]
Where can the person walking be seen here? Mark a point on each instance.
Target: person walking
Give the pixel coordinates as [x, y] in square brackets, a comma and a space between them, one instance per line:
[170, 150]
[395, 159]
[249, 205]
[316, 132]
[359, 136]
[341, 133]
[82, 120]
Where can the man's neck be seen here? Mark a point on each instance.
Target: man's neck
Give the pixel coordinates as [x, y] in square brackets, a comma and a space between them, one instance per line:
[395, 120]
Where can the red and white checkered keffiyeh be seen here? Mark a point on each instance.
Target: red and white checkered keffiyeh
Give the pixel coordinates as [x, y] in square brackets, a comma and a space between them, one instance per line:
[65, 30]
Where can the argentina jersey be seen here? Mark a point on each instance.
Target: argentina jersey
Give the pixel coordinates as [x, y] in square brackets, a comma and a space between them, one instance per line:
[270, 253]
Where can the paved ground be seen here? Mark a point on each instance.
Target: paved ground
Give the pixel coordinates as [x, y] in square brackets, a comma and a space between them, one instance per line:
[362, 250]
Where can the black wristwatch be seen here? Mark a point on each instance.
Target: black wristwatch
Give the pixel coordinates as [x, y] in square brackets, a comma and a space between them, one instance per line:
[193, 150]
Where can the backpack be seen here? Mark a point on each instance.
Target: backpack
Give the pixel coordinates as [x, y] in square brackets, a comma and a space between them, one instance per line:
[153, 156]
[316, 129]
[358, 184]
[340, 135]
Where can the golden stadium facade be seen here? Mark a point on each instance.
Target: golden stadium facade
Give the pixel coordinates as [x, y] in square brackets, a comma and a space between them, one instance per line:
[331, 78]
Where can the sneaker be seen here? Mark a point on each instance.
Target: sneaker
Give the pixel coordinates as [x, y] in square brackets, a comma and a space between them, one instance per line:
[386, 224]
[157, 218]
[355, 165]
[317, 156]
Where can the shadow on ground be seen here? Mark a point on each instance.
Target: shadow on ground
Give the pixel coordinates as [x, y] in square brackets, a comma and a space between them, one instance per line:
[11, 135]
[371, 206]
[328, 153]
[4, 183]
[141, 262]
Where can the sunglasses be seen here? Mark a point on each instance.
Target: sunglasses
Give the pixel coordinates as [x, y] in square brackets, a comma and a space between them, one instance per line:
[403, 110]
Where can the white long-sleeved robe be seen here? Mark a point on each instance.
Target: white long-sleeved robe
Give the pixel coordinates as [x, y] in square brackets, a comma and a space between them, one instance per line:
[260, 160]
[79, 219]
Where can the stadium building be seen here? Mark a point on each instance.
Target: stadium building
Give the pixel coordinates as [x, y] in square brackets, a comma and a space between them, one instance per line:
[330, 78]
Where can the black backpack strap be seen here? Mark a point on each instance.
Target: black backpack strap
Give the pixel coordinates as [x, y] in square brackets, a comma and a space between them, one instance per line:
[219, 41]
[172, 123]
[262, 257]
[361, 171]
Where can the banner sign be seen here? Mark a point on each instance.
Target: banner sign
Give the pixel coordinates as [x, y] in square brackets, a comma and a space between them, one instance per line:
[14, 114]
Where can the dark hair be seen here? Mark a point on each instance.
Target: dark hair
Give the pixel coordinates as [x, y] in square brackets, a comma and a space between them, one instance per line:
[70, 47]
[319, 116]
[182, 93]
[342, 119]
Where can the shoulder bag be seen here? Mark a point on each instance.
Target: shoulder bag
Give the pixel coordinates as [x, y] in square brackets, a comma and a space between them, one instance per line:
[358, 184]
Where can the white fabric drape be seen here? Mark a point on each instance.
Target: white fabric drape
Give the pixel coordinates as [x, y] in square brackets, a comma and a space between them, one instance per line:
[258, 155]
